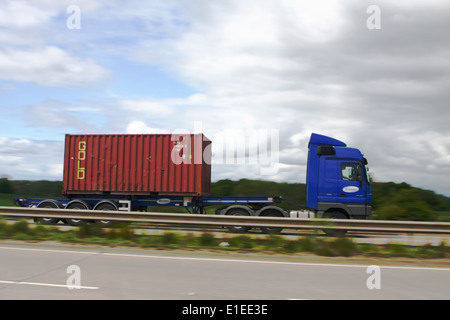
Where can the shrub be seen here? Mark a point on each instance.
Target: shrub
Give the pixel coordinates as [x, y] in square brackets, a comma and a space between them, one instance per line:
[369, 248]
[169, 238]
[86, 230]
[338, 247]
[207, 240]
[21, 236]
[120, 231]
[343, 246]
[3, 228]
[442, 249]
[397, 250]
[323, 250]
[147, 241]
[68, 236]
[189, 240]
[273, 242]
[430, 251]
[20, 227]
[41, 230]
[243, 242]
[306, 244]
[97, 240]
[291, 246]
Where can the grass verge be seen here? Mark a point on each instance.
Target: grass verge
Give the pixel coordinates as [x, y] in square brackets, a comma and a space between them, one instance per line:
[122, 235]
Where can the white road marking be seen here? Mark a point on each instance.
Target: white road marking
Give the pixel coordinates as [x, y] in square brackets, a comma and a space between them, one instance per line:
[276, 262]
[49, 250]
[227, 260]
[45, 284]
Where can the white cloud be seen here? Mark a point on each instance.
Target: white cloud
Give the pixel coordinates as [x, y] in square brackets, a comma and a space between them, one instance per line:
[35, 42]
[296, 66]
[49, 66]
[59, 115]
[23, 14]
[140, 127]
[302, 67]
[152, 107]
[28, 159]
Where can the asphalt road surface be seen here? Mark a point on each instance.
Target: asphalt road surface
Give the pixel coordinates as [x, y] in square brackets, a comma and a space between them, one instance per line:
[43, 272]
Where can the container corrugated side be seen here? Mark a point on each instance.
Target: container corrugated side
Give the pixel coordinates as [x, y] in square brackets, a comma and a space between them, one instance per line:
[137, 164]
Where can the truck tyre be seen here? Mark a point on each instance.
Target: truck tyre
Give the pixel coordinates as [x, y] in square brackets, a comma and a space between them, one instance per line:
[335, 215]
[106, 206]
[49, 204]
[271, 213]
[238, 212]
[77, 205]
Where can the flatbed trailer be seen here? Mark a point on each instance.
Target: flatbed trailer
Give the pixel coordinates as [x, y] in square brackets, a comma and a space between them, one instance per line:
[197, 205]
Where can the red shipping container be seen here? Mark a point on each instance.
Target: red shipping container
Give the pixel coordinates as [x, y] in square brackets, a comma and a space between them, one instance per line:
[137, 164]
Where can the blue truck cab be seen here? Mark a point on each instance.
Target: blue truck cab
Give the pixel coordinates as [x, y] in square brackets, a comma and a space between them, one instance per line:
[337, 184]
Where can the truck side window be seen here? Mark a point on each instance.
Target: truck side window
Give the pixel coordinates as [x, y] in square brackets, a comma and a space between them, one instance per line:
[350, 171]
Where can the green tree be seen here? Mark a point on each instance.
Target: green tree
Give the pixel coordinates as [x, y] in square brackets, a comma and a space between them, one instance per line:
[405, 204]
[5, 186]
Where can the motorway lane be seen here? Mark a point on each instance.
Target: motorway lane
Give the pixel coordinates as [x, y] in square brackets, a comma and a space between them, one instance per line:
[41, 273]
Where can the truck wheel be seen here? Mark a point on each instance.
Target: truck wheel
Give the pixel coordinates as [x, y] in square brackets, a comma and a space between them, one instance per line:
[107, 206]
[335, 215]
[49, 204]
[77, 206]
[238, 212]
[271, 213]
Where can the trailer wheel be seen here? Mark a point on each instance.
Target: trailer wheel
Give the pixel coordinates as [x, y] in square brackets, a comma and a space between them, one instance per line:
[49, 204]
[335, 215]
[77, 205]
[106, 206]
[238, 212]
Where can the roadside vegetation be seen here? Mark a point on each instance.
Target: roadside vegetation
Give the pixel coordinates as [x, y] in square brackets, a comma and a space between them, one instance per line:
[123, 235]
[391, 201]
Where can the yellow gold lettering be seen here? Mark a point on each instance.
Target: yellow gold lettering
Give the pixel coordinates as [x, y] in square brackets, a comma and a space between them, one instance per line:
[81, 173]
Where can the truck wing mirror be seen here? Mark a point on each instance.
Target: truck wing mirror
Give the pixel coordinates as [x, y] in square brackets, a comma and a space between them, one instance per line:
[360, 176]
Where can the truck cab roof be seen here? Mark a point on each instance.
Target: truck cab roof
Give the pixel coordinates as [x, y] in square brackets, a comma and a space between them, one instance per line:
[328, 146]
[319, 139]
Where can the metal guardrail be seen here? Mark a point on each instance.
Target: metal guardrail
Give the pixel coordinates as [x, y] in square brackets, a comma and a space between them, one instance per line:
[220, 220]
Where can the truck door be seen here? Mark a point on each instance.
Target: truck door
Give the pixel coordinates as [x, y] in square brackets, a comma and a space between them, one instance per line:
[352, 185]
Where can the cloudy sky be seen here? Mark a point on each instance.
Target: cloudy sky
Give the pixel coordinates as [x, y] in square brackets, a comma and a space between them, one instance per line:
[275, 69]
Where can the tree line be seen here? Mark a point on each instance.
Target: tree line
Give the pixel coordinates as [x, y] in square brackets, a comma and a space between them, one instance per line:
[391, 201]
